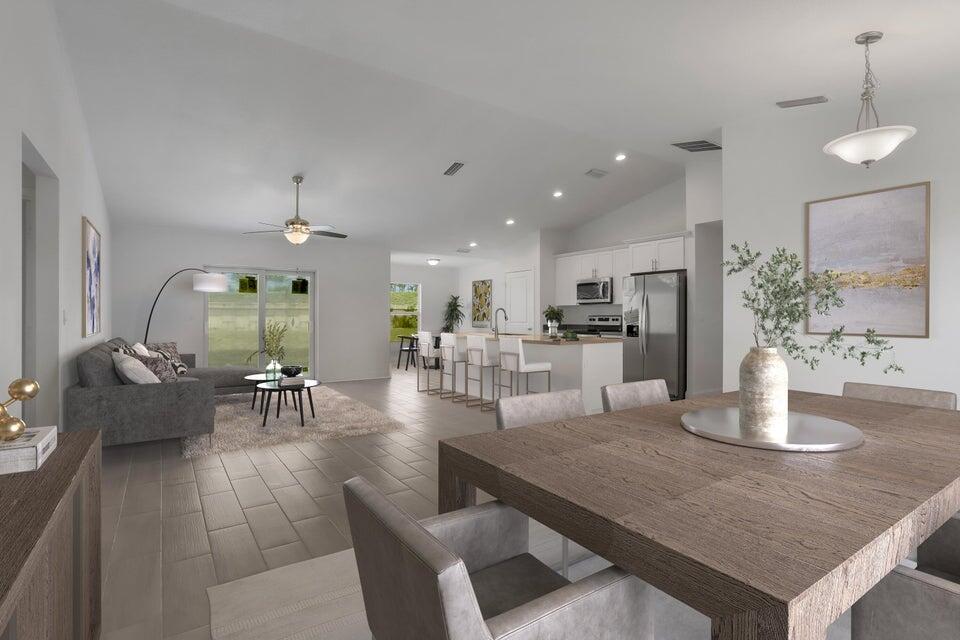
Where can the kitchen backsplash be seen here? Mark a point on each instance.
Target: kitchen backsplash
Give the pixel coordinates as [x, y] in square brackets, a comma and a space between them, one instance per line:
[577, 314]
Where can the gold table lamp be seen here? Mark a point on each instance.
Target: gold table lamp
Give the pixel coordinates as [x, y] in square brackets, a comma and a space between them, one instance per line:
[21, 389]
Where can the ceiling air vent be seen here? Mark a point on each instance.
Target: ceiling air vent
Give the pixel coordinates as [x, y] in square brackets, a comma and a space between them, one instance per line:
[697, 145]
[463, 250]
[452, 169]
[801, 102]
[596, 173]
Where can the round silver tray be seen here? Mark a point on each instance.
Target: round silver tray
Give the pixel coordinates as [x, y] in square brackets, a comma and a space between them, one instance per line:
[805, 432]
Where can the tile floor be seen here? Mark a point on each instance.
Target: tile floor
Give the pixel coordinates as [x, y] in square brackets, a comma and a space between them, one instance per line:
[172, 527]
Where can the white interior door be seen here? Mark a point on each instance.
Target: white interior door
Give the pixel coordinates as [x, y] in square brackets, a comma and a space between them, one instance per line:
[520, 302]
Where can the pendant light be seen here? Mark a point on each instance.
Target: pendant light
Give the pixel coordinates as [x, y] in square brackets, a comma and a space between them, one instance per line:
[869, 143]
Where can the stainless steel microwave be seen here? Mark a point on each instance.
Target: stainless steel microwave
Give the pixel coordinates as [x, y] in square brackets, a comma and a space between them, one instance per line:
[595, 291]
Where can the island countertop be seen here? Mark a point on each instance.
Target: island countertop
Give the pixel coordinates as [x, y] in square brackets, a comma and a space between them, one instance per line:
[542, 339]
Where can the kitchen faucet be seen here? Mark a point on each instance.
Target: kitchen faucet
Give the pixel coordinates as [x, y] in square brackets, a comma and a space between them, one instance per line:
[496, 325]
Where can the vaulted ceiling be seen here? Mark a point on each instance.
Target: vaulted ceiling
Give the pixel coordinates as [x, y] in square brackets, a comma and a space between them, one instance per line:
[201, 110]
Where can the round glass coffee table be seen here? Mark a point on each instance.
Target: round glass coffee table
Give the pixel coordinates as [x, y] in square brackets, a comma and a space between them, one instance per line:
[271, 387]
[257, 378]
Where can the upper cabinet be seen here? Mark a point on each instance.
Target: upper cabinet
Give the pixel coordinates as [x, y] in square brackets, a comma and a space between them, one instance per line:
[596, 265]
[657, 255]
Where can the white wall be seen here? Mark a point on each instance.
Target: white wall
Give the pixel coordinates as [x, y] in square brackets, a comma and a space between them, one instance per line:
[351, 290]
[772, 167]
[524, 254]
[658, 212]
[39, 101]
[705, 322]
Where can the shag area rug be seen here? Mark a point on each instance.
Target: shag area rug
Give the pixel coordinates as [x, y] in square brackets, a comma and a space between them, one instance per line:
[236, 426]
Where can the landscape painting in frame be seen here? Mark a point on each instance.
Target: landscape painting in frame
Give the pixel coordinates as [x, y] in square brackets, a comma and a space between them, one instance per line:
[482, 303]
[878, 243]
[91, 278]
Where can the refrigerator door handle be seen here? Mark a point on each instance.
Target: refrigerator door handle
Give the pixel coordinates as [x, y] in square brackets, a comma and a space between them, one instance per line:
[643, 324]
[646, 322]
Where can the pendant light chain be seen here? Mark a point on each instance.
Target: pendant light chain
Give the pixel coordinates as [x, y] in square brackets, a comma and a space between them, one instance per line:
[870, 84]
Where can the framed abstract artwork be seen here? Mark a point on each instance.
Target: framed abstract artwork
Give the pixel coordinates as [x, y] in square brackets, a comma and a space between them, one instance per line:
[92, 297]
[482, 303]
[878, 244]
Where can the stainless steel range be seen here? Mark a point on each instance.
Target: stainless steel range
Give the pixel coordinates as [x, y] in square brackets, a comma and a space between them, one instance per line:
[604, 326]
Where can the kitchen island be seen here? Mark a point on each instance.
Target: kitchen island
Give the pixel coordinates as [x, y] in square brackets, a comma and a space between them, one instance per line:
[586, 364]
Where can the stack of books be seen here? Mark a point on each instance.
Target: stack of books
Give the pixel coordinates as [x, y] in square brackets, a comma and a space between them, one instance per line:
[29, 451]
[291, 383]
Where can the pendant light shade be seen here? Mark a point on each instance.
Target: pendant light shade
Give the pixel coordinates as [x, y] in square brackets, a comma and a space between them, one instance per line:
[870, 142]
[869, 145]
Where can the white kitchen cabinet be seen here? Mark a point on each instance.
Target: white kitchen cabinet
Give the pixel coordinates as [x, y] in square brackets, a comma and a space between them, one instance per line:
[596, 265]
[657, 255]
[568, 272]
[622, 267]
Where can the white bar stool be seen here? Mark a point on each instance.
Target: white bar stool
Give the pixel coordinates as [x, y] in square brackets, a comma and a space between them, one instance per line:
[478, 355]
[512, 359]
[427, 353]
[450, 357]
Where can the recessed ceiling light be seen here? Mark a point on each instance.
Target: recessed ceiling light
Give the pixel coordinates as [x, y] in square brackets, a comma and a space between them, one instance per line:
[433, 261]
[620, 157]
[558, 194]
[473, 244]
[510, 221]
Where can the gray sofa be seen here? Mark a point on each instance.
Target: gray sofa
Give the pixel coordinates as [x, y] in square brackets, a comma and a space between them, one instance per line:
[127, 413]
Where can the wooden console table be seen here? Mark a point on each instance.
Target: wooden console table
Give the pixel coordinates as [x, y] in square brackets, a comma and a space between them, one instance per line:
[50, 545]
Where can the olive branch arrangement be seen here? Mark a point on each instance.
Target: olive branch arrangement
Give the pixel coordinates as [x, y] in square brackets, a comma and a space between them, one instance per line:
[778, 295]
[273, 336]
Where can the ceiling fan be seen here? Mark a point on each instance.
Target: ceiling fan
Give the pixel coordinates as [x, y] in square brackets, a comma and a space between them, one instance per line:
[296, 230]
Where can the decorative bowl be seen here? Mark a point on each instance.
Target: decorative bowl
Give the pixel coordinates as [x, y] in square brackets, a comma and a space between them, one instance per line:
[291, 370]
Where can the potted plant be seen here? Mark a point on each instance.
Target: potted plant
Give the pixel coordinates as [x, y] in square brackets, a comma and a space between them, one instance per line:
[781, 297]
[452, 315]
[273, 335]
[554, 316]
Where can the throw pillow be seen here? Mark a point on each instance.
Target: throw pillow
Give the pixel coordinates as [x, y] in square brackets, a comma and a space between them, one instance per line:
[140, 349]
[126, 350]
[160, 367]
[132, 371]
[168, 351]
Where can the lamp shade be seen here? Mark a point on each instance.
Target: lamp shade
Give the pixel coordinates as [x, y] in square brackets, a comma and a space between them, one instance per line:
[869, 145]
[210, 282]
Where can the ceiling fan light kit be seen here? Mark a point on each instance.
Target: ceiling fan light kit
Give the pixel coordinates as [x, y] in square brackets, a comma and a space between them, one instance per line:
[297, 230]
[869, 143]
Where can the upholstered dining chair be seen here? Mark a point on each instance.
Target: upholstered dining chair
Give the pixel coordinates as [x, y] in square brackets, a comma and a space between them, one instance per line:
[631, 395]
[922, 602]
[519, 411]
[468, 575]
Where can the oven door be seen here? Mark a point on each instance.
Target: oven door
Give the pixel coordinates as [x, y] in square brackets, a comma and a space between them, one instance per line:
[594, 291]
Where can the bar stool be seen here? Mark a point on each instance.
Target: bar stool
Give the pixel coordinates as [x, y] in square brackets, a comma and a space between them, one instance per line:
[512, 359]
[427, 352]
[451, 356]
[478, 355]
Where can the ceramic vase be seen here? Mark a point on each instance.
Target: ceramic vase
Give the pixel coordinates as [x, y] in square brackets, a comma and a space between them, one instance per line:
[763, 394]
[273, 370]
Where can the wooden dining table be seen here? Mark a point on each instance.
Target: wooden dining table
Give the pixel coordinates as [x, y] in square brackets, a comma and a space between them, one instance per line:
[770, 545]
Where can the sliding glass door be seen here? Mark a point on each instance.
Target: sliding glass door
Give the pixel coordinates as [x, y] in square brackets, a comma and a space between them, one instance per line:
[235, 319]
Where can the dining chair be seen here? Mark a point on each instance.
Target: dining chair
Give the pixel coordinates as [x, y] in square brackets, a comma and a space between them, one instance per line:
[922, 602]
[519, 411]
[427, 354]
[513, 359]
[450, 356]
[631, 395]
[468, 575]
[479, 356]
[901, 395]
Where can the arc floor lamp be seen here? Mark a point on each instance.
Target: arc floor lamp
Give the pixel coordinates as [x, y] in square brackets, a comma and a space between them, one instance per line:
[203, 281]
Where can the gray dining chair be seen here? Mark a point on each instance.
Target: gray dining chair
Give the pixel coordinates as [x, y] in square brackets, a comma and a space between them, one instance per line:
[901, 395]
[922, 602]
[519, 411]
[631, 395]
[468, 575]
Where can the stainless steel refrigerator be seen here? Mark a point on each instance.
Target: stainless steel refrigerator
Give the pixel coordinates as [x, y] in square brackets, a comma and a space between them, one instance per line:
[655, 329]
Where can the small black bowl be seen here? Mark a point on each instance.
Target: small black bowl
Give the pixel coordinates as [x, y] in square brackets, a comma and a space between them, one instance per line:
[291, 370]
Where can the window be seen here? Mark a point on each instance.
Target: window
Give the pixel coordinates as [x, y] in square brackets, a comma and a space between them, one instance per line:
[254, 297]
[404, 309]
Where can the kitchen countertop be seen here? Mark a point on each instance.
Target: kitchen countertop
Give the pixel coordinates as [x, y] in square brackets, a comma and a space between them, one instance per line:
[541, 339]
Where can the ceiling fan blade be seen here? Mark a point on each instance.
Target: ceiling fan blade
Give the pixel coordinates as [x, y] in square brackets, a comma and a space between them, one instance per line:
[270, 224]
[329, 234]
[246, 233]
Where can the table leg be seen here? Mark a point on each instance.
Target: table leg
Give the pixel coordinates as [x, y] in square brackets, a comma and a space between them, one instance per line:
[285, 403]
[453, 492]
[264, 392]
[281, 393]
[766, 624]
[310, 395]
[253, 405]
[300, 394]
[293, 398]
